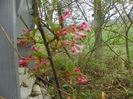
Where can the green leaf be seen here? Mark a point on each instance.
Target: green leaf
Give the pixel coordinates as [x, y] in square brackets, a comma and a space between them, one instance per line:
[53, 26]
[65, 86]
[33, 32]
[36, 54]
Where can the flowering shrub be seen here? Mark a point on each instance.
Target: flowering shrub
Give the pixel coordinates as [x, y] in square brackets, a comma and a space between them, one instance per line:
[68, 37]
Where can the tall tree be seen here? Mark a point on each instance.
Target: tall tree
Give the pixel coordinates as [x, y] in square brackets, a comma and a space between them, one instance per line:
[98, 22]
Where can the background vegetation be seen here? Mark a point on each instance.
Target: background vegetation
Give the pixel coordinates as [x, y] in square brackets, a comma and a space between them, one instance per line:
[107, 55]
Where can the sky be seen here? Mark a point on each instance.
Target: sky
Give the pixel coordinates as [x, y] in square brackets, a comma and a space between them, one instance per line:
[88, 9]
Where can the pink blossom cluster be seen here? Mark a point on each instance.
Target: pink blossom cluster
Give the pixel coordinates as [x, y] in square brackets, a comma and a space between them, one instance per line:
[23, 40]
[66, 14]
[76, 31]
[34, 48]
[75, 48]
[24, 61]
[81, 79]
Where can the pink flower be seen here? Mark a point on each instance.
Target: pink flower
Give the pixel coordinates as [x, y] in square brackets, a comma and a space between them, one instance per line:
[66, 14]
[77, 69]
[79, 47]
[34, 48]
[82, 79]
[30, 56]
[20, 42]
[62, 32]
[76, 48]
[26, 30]
[79, 36]
[23, 62]
[65, 43]
[73, 27]
[44, 61]
[61, 18]
[84, 26]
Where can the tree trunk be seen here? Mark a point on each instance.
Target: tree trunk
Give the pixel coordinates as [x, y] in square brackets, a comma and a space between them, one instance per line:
[127, 47]
[98, 21]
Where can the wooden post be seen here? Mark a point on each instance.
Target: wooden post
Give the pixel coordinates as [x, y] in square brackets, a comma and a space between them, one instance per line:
[9, 86]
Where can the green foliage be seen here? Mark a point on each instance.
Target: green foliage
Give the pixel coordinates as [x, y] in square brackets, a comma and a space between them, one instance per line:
[62, 61]
[53, 26]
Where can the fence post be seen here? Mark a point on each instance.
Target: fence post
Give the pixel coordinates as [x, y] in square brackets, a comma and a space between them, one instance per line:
[9, 86]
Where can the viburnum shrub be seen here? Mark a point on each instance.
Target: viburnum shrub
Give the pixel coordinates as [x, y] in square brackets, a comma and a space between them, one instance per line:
[68, 37]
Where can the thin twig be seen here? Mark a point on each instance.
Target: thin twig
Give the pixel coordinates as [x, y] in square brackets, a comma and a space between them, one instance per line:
[9, 40]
